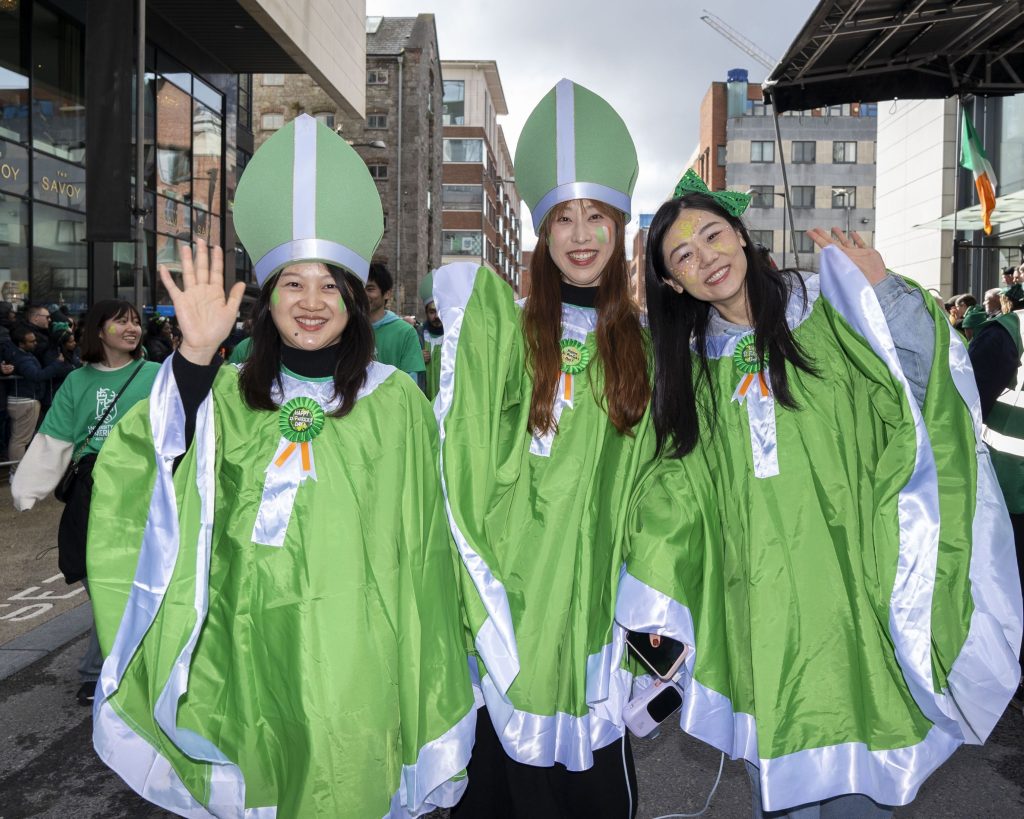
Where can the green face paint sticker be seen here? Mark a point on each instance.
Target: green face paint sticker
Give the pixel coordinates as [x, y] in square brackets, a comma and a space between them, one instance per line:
[300, 420]
[341, 305]
[275, 297]
[602, 235]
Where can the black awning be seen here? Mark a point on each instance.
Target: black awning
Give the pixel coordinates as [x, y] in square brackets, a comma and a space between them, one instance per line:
[871, 50]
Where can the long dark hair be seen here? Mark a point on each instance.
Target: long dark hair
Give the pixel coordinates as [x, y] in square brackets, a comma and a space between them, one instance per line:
[678, 322]
[91, 349]
[355, 351]
[620, 340]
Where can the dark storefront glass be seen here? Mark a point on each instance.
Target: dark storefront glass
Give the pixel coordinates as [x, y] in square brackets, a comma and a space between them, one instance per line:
[58, 183]
[58, 85]
[13, 249]
[14, 101]
[60, 269]
[173, 141]
[13, 168]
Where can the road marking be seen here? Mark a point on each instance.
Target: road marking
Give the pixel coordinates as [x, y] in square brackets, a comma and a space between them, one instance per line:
[34, 610]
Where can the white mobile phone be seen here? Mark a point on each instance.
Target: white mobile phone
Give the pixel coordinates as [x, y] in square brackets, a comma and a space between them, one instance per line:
[665, 660]
[653, 706]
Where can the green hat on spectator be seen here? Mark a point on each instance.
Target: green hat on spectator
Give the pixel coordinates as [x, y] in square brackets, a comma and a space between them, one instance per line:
[307, 196]
[974, 317]
[1015, 293]
[574, 146]
[427, 289]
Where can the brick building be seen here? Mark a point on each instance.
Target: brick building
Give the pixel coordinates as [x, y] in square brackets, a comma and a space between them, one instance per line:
[479, 199]
[400, 139]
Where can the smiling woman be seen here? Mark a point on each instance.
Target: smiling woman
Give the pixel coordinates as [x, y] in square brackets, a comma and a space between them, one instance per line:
[317, 629]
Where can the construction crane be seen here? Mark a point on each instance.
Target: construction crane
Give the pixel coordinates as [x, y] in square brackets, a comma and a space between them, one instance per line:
[738, 39]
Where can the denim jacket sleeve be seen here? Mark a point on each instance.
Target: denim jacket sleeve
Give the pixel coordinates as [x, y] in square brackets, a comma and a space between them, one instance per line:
[911, 328]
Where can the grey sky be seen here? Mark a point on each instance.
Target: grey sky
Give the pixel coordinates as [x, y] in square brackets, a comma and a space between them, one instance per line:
[651, 59]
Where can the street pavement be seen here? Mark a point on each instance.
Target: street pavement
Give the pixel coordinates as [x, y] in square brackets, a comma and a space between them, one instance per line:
[48, 768]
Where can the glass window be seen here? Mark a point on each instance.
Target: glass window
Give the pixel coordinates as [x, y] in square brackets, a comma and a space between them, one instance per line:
[377, 121]
[13, 168]
[58, 85]
[762, 151]
[762, 196]
[453, 108]
[803, 196]
[271, 122]
[804, 243]
[207, 174]
[173, 141]
[377, 76]
[722, 156]
[844, 152]
[804, 151]
[58, 183]
[461, 243]
[173, 217]
[462, 197]
[208, 95]
[13, 250]
[272, 79]
[326, 117]
[463, 150]
[763, 237]
[844, 197]
[245, 101]
[869, 109]
[60, 269]
[378, 170]
[14, 104]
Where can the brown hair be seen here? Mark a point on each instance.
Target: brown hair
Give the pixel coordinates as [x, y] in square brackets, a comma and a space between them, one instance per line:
[90, 347]
[620, 340]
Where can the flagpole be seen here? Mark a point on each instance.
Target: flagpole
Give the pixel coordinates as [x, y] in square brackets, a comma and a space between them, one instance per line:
[956, 189]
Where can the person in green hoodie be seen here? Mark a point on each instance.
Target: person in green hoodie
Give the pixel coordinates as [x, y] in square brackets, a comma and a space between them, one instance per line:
[398, 343]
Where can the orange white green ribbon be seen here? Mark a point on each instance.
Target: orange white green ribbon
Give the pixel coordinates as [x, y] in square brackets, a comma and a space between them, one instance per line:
[760, 409]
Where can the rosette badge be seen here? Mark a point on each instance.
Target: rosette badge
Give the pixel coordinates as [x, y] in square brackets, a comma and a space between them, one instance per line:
[747, 361]
[575, 356]
[301, 420]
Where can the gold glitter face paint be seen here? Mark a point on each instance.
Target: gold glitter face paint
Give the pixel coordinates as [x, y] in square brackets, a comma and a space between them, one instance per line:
[111, 329]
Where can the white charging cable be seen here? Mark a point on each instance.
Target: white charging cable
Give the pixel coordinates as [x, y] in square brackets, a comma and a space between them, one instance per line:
[707, 804]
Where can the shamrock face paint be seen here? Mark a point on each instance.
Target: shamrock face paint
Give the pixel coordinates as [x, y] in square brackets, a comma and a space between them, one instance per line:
[306, 306]
[580, 241]
[601, 234]
[705, 256]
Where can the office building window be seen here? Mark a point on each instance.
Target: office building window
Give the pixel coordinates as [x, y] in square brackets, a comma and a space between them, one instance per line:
[803, 196]
[377, 121]
[453, 104]
[377, 76]
[844, 197]
[245, 101]
[762, 151]
[461, 243]
[766, 238]
[804, 243]
[462, 197]
[844, 152]
[272, 79]
[463, 150]
[804, 151]
[762, 196]
[325, 117]
[722, 156]
[378, 170]
[271, 122]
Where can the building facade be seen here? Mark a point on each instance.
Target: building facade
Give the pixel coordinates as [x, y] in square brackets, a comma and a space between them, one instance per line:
[480, 203]
[399, 139]
[829, 155]
[66, 98]
[638, 261]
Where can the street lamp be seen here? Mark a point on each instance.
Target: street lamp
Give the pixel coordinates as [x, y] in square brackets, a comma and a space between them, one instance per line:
[845, 193]
[753, 192]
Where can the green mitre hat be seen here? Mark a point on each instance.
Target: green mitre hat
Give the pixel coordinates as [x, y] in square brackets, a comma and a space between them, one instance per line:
[574, 146]
[307, 196]
[427, 289]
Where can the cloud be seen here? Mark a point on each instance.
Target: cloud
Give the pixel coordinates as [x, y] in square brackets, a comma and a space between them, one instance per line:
[653, 61]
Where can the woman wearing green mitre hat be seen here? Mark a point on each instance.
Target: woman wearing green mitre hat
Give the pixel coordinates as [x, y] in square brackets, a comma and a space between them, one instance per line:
[864, 617]
[545, 432]
[278, 602]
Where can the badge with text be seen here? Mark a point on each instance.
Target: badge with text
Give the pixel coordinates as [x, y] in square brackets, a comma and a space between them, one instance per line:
[575, 356]
[748, 362]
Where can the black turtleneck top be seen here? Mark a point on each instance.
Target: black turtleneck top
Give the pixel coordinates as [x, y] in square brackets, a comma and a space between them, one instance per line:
[579, 296]
[195, 381]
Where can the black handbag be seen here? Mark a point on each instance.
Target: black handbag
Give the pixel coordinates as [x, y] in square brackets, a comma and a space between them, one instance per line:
[66, 484]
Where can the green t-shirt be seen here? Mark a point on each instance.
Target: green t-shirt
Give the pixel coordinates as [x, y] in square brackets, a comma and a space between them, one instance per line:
[84, 396]
[241, 352]
[398, 344]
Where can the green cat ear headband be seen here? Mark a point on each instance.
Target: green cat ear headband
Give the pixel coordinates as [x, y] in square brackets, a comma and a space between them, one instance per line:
[734, 202]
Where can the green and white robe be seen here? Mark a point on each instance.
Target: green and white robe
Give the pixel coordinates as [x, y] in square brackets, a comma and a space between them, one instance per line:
[539, 521]
[864, 616]
[282, 629]
[432, 376]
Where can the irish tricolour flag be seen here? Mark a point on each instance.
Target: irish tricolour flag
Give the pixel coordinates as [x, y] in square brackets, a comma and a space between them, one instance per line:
[972, 156]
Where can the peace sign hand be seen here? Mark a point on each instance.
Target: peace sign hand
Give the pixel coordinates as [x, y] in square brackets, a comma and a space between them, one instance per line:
[204, 315]
[867, 259]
